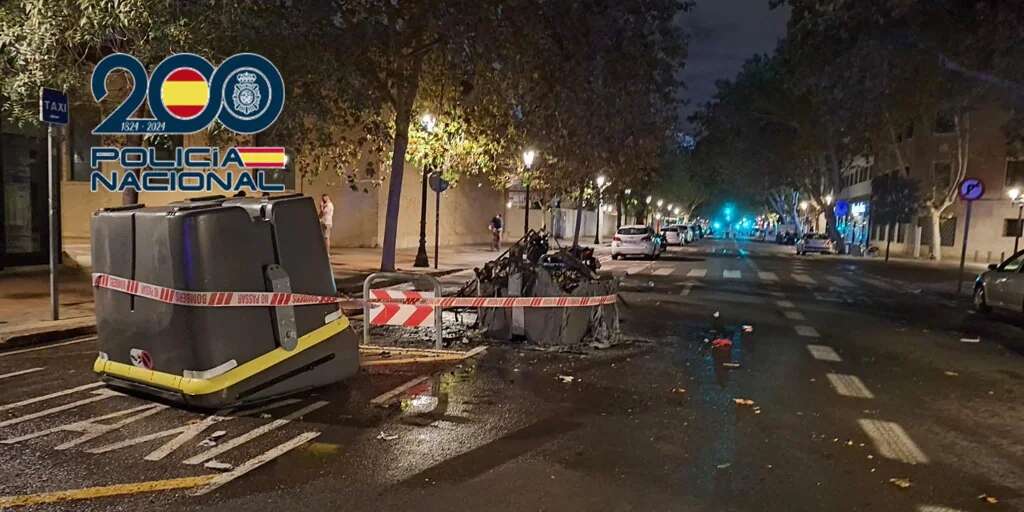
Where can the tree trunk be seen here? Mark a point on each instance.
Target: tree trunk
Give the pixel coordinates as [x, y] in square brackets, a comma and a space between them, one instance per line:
[888, 240]
[403, 113]
[936, 221]
[579, 219]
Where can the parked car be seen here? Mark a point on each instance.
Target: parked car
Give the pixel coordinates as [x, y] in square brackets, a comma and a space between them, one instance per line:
[673, 235]
[785, 238]
[687, 233]
[636, 240]
[1002, 286]
[814, 242]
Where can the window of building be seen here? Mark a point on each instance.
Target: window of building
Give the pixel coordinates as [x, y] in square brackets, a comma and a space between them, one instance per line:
[944, 123]
[942, 174]
[1014, 173]
[1011, 227]
[82, 140]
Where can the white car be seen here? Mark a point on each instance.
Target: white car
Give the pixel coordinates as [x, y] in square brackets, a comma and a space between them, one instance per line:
[674, 235]
[636, 240]
[814, 242]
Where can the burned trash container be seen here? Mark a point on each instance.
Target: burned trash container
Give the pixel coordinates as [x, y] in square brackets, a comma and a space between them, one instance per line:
[207, 356]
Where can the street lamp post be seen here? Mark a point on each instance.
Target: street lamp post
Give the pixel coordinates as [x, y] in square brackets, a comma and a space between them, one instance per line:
[528, 156]
[1015, 198]
[428, 121]
[600, 187]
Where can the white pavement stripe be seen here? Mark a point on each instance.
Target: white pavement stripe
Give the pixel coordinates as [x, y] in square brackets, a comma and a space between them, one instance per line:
[841, 281]
[849, 385]
[185, 434]
[49, 396]
[732, 274]
[20, 372]
[768, 276]
[89, 427]
[386, 397]
[892, 441]
[686, 289]
[785, 304]
[52, 345]
[879, 283]
[252, 434]
[61, 408]
[635, 269]
[663, 271]
[806, 330]
[824, 353]
[256, 462]
[804, 278]
[937, 508]
[697, 272]
[794, 315]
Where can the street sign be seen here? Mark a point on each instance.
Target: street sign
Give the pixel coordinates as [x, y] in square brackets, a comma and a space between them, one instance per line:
[437, 183]
[971, 189]
[53, 106]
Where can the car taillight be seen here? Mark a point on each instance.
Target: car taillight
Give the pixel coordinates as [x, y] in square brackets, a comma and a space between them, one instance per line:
[616, 238]
[646, 238]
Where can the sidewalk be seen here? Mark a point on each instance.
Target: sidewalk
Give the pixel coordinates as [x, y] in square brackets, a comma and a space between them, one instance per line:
[25, 295]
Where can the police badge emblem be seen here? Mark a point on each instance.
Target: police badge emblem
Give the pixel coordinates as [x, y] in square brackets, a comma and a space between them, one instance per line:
[246, 96]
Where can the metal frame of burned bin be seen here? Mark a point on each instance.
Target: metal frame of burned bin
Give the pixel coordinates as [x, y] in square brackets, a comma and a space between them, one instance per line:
[530, 269]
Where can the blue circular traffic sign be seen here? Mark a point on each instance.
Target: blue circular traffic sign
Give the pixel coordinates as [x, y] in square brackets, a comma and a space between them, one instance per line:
[971, 189]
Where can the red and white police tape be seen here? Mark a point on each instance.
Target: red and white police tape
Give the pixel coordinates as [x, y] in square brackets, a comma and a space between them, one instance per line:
[406, 315]
[231, 299]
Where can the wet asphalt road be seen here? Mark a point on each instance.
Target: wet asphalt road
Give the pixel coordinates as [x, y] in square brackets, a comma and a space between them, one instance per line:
[855, 369]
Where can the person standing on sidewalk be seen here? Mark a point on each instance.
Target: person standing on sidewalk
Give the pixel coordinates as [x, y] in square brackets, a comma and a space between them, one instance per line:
[326, 219]
[496, 226]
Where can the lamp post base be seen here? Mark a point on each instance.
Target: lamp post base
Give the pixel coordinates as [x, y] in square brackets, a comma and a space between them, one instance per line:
[421, 256]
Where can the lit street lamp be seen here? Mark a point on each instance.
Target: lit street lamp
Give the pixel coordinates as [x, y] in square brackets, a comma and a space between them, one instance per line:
[428, 121]
[828, 199]
[1015, 198]
[600, 188]
[528, 156]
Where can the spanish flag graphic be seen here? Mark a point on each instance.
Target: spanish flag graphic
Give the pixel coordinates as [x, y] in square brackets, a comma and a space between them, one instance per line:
[185, 93]
[266, 157]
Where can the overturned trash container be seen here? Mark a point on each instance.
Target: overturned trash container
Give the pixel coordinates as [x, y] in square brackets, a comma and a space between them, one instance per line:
[168, 329]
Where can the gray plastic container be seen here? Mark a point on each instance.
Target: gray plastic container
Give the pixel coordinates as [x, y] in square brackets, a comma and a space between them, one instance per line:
[224, 356]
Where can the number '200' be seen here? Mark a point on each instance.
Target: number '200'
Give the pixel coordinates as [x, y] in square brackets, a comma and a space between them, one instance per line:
[269, 94]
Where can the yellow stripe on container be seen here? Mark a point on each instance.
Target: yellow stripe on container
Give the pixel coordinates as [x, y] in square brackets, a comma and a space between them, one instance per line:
[185, 93]
[196, 387]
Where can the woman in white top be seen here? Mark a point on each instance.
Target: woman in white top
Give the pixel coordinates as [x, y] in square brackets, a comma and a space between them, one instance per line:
[326, 219]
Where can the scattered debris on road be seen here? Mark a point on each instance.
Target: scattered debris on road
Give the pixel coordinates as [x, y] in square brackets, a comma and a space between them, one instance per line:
[743, 401]
[384, 436]
[970, 340]
[902, 483]
[731, 365]
[218, 465]
[566, 379]
[678, 390]
[951, 373]
[748, 328]
[723, 466]
[988, 499]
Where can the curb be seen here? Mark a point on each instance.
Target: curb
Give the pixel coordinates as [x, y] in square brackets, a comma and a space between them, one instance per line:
[37, 336]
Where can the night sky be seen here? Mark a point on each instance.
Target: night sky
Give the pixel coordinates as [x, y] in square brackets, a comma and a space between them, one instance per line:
[723, 34]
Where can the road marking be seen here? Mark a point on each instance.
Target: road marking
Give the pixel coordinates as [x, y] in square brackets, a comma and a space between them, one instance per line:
[768, 276]
[878, 282]
[806, 330]
[824, 353]
[804, 278]
[794, 315]
[197, 427]
[785, 304]
[686, 289]
[49, 396]
[892, 441]
[20, 372]
[663, 271]
[777, 294]
[386, 397]
[256, 462]
[252, 434]
[635, 269]
[732, 274]
[89, 493]
[91, 428]
[849, 385]
[841, 281]
[937, 508]
[102, 395]
[52, 345]
[697, 272]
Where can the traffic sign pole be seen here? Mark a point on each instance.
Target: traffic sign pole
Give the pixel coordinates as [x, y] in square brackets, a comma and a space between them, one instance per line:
[54, 109]
[971, 189]
[963, 249]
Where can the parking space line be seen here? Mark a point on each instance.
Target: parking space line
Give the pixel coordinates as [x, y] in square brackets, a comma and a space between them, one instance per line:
[102, 395]
[785, 304]
[794, 315]
[386, 397]
[937, 508]
[686, 289]
[697, 272]
[49, 396]
[664, 271]
[849, 385]
[635, 269]
[105, 491]
[20, 372]
[824, 353]
[52, 345]
[91, 428]
[256, 462]
[807, 331]
[840, 281]
[732, 274]
[768, 276]
[252, 434]
[892, 441]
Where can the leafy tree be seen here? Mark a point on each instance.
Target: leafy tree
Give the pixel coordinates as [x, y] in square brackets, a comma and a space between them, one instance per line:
[895, 199]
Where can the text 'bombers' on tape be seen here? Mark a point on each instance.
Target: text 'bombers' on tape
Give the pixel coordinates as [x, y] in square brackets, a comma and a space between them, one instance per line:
[277, 299]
